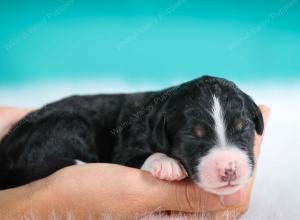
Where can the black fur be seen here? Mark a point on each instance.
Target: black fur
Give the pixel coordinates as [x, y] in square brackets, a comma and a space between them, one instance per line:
[125, 129]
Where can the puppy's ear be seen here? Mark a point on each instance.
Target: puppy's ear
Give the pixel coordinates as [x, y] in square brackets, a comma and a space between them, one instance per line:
[255, 112]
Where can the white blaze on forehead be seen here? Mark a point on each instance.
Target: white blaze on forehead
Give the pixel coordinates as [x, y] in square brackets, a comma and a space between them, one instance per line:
[218, 116]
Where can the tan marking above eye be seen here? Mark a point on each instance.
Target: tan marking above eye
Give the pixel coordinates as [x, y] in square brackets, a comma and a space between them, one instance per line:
[200, 131]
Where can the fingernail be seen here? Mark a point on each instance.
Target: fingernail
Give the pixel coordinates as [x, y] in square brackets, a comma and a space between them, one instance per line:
[231, 200]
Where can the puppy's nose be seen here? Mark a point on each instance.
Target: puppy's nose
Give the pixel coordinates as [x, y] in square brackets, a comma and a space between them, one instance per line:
[229, 173]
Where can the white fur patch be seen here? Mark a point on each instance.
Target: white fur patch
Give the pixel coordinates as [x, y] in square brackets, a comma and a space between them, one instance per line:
[79, 162]
[164, 167]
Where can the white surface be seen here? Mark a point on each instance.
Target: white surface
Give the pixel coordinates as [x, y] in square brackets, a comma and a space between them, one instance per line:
[276, 193]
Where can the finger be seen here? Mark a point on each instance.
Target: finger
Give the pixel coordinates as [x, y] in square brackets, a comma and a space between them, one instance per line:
[13, 114]
[231, 200]
[8, 117]
[265, 110]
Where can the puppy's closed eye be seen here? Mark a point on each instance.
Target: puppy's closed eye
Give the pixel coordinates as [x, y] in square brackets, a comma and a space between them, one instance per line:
[240, 125]
[200, 131]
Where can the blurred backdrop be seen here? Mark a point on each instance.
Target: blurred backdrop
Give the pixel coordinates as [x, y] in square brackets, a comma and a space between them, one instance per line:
[53, 48]
[148, 42]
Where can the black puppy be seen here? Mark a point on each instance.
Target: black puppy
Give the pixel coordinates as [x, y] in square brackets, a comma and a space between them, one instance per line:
[203, 128]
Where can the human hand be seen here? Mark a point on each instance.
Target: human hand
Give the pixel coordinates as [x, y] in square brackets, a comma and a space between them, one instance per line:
[9, 116]
[118, 191]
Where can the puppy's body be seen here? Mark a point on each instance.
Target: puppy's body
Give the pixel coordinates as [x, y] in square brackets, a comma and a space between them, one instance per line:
[99, 128]
[126, 129]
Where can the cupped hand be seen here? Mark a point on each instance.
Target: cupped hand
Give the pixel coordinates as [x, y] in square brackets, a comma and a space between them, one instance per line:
[99, 190]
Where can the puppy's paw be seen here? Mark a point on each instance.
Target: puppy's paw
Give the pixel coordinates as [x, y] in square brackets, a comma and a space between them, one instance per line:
[163, 167]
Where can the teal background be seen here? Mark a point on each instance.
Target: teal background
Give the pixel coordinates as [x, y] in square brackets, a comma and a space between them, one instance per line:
[148, 41]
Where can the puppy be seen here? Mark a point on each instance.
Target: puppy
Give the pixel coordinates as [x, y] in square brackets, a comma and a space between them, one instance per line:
[203, 129]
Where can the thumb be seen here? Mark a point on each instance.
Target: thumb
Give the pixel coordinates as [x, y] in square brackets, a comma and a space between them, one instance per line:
[188, 197]
[231, 200]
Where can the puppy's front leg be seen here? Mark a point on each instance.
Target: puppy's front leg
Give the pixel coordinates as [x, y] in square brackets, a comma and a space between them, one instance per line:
[164, 167]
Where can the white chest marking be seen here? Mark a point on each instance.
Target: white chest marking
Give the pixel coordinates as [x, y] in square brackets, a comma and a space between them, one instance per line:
[79, 162]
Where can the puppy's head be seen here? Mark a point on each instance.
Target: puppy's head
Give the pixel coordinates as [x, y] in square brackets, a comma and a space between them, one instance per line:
[211, 126]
